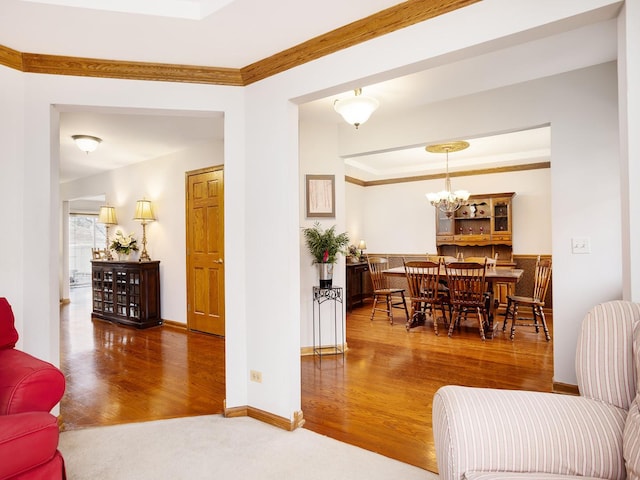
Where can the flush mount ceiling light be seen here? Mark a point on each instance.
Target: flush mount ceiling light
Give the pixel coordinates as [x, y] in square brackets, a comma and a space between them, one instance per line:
[356, 110]
[446, 200]
[86, 143]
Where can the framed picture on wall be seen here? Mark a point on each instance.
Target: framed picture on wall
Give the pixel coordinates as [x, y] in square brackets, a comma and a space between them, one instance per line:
[321, 195]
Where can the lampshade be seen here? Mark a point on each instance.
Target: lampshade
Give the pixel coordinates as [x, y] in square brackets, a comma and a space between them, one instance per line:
[356, 110]
[107, 215]
[144, 211]
[86, 143]
[362, 245]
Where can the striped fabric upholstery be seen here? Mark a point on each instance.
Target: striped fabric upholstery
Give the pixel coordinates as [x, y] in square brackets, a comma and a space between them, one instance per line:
[604, 355]
[483, 434]
[485, 430]
[631, 442]
[520, 476]
[631, 438]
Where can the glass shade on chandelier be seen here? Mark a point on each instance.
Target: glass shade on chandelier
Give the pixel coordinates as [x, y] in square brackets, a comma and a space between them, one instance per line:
[357, 109]
[448, 201]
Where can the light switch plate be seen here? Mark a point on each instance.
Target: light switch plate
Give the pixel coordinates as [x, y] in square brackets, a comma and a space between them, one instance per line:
[580, 245]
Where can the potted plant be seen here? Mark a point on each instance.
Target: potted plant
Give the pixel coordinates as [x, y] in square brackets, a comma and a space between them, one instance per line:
[324, 246]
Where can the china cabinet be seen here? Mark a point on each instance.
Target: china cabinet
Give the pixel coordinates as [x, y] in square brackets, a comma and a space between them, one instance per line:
[482, 227]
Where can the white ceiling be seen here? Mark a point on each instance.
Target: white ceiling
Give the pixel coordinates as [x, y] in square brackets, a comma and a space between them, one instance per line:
[237, 35]
[129, 137]
[54, 27]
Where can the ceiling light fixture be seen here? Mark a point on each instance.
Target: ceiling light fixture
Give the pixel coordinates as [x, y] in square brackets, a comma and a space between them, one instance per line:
[86, 143]
[356, 110]
[446, 200]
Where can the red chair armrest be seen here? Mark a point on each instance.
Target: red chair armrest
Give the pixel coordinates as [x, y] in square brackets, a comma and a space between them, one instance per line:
[27, 383]
[27, 440]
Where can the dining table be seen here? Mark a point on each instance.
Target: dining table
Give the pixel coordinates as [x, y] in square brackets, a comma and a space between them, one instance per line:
[492, 276]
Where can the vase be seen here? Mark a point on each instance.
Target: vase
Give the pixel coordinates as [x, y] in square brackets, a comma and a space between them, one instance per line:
[325, 270]
[123, 257]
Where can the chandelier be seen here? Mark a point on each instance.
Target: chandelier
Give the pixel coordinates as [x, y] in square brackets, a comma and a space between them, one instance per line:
[446, 200]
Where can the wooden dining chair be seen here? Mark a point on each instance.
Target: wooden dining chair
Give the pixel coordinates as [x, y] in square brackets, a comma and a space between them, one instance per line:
[490, 261]
[425, 292]
[468, 293]
[392, 297]
[535, 302]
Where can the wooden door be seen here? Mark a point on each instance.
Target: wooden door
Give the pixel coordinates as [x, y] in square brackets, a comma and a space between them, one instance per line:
[205, 250]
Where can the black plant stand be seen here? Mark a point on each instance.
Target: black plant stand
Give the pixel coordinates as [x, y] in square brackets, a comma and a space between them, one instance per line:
[320, 296]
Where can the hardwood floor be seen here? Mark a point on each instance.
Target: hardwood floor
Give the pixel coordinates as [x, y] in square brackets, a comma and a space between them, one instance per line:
[379, 397]
[117, 374]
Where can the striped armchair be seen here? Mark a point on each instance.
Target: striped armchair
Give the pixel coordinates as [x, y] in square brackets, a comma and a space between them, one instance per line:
[502, 434]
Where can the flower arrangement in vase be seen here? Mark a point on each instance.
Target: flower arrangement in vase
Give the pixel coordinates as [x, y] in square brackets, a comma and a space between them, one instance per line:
[123, 244]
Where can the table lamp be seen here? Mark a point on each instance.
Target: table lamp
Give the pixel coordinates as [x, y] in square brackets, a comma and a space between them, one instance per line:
[144, 214]
[362, 246]
[107, 216]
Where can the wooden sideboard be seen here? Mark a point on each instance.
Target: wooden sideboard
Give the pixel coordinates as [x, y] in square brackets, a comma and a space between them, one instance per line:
[127, 292]
[358, 284]
[482, 228]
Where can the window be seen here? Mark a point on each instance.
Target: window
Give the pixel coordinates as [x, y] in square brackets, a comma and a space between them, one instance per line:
[85, 233]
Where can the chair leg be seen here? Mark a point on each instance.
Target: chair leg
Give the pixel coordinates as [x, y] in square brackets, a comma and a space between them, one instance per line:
[417, 315]
[544, 323]
[444, 316]
[514, 318]
[404, 304]
[432, 307]
[535, 318]
[390, 309]
[373, 310]
[506, 314]
[452, 322]
[481, 322]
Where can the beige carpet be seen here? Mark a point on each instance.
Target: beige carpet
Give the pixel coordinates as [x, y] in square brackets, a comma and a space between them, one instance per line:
[214, 447]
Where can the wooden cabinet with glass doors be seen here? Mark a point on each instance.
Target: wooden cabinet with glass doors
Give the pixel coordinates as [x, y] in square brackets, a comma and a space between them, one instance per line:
[482, 228]
[127, 292]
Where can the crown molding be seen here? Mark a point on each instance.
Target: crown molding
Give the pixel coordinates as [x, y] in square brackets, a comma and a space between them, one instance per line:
[11, 58]
[467, 173]
[386, 21]
[94, 67]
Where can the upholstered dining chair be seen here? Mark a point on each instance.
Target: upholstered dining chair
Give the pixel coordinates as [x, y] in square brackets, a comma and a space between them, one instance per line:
[467, 292]
[535, 302]
[382, 292]
[425, 292]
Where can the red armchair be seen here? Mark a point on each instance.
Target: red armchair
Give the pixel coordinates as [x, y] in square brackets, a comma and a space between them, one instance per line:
[29, 389]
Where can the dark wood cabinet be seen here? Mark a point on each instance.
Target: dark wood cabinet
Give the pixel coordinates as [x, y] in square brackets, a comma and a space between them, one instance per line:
[358, 283]
[127, 292]
[480, 228]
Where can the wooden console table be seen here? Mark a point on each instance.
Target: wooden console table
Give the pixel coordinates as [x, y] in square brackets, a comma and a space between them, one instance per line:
[356, 286]
[126, 292]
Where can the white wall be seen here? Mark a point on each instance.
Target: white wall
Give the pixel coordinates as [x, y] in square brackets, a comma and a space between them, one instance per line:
[397, 218]
[12, 188]
[262, 178]
[318, 156]
[162, 181]
[581, 108]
